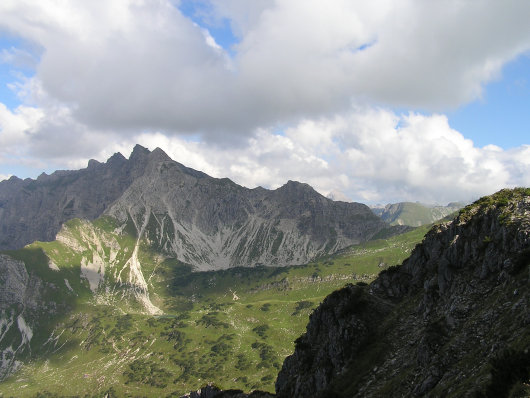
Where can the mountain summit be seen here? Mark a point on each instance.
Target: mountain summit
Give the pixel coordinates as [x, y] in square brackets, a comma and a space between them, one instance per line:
[206, 222]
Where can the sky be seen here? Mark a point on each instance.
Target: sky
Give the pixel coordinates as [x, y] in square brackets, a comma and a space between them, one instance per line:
[372, 101]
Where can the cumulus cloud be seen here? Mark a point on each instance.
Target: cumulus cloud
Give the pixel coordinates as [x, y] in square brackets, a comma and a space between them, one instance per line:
[279, 106]
[370, 155]
[140, 64]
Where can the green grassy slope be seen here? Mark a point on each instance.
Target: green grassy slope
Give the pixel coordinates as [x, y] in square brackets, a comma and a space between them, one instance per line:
[231, 327]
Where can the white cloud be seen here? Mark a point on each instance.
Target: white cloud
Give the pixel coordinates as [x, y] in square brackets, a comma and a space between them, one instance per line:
[16, 129]
[124, 64]
[369, 155]
[110, 74]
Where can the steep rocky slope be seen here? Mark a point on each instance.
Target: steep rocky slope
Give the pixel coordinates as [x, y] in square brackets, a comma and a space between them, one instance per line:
[26, 299]
[35, 209]
[206, 222]
[215, 223]
[453, 320]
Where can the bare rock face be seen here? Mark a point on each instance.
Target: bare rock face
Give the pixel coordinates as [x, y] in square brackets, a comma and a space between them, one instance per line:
[453, 320]
[23, 299]
[215, 223]
[35, 209]
[203, 221]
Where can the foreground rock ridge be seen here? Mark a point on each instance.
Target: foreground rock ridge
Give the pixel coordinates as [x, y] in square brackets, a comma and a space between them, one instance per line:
[453, 320]
[206, 222]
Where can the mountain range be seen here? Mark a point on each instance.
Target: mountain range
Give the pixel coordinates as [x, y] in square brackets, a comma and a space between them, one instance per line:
[119, 233]
[415, 214]
[206, 222]
[105, 298]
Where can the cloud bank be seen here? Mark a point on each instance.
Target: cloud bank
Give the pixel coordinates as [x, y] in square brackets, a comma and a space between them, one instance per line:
[306, 93]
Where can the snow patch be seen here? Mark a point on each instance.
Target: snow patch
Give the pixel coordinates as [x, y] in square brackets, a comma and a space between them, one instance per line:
[25, 330]
[68, 285]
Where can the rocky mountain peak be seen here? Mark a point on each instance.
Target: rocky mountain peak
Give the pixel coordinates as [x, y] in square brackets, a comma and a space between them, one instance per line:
[117, 158]
[93, 163]
[159, 154]
[139, 151]
[295, 186]
[211, 222]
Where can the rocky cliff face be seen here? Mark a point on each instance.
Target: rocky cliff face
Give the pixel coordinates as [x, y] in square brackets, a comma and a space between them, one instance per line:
[453, 320]
[25, 298]
[35, 209]
[203, 221]
[214, 223]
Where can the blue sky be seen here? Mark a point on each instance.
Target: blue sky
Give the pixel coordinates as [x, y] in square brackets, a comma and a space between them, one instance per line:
[9, 72]
[502, 116]
[376, 104]
[201, 13]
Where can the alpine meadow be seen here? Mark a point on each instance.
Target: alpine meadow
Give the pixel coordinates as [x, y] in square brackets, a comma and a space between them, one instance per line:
[269, 198]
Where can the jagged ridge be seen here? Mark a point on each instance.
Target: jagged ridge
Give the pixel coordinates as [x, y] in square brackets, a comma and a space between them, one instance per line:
[206, 222]
[33, 210]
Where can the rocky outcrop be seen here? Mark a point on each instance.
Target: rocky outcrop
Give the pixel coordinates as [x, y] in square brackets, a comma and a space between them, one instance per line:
[452, 320]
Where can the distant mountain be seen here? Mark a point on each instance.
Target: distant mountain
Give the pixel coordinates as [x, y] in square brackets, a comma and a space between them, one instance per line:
[203, 221]
[415, 214]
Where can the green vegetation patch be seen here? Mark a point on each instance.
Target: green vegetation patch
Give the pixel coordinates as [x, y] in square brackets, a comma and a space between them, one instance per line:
[232, 327]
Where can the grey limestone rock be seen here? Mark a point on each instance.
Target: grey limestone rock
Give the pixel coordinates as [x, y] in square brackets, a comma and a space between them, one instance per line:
[206, 222]
[35, 209]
